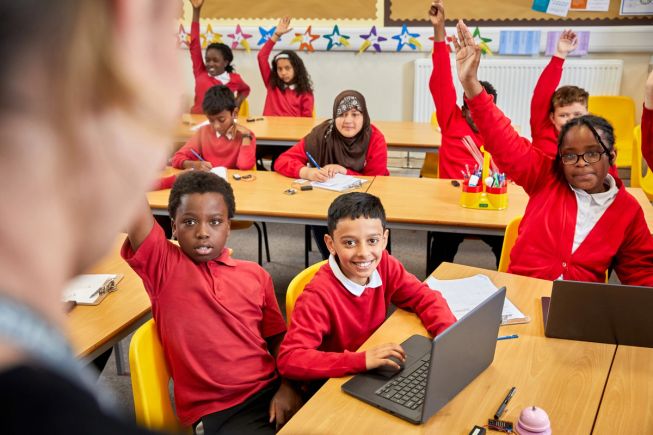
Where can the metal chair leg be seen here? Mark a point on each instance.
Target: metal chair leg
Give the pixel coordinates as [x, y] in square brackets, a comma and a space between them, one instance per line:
[118, 355]
[307, 243]
[260, 244]
[265, 240]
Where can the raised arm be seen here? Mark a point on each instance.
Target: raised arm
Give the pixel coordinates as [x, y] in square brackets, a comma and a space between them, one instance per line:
[140, 227]
[647, 122]
[282, 28]
[195, 46]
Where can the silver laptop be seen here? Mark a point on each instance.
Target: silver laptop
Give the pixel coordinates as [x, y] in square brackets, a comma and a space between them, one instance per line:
[435, 370]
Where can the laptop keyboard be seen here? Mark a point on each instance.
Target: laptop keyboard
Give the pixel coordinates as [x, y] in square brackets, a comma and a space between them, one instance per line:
[408, 390]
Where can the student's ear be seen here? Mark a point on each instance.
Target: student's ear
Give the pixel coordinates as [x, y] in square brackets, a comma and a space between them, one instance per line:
[613, 156]
[386, 234]
[330, 244]
[551, 118]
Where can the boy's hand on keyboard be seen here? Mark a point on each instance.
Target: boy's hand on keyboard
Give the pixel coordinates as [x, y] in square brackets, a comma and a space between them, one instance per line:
[378, 356]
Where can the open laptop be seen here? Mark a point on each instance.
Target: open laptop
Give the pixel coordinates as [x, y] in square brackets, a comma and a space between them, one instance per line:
[603, 313]
[435, 370]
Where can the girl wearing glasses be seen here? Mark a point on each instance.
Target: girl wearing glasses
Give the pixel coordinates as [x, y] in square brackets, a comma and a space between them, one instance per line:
[579, 220]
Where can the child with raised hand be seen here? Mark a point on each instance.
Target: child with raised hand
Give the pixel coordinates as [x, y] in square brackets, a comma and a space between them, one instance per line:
[579, 220]
[455, 123]
[217, 317]
[348, 298]
[647, 122]
[215, 68]
[223, 142]
[288, 84]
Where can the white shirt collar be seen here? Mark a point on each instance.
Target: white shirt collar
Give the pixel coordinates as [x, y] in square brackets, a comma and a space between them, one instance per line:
[224, 77]
[602, 198]
[354, 288]
[228, 135]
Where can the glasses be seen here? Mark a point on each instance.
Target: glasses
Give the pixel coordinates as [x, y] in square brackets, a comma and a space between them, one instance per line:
[589, 157]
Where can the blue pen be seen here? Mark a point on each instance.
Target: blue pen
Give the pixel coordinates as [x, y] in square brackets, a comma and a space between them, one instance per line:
[507, 337]
[196, 154]
[310, 157]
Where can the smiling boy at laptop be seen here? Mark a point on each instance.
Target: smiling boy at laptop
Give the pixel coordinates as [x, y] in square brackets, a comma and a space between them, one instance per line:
[348, 298]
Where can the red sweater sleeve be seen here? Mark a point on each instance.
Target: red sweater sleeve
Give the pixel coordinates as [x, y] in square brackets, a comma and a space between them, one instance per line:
[542, 94]
[522, 162]
[647, 136]
[292, 160]
[441, 86]
[264, 61]
[377, 156]
[306, 105]
[164, 182]
[413, 295]
[242, 88]
[195, 49]
[298, 356]
[247, 155]
[634, 260]
[184, 152]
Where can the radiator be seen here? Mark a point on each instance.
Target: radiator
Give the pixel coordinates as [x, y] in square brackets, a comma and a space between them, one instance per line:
[514, 80]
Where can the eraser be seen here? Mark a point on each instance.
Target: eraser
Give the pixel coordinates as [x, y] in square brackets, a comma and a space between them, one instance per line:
[307, 187]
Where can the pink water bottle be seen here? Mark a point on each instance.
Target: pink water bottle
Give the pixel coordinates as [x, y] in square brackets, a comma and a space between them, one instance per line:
[533, 421]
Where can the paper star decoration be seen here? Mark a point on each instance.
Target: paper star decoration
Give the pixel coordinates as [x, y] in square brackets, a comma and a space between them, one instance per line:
[371, 39]
[482, 42]
[407, 38]
[266, 34]
[305, 40]
[183, 38]
[448, 39]
[336, 39]
[239, 38]
[209, 37]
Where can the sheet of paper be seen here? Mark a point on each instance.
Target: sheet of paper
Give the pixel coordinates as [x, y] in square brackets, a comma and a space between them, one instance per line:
[464, 294]
[200, 125]
[636, 7]
[84, 289]
[581, 49]
[220, 171]
[590, 5]
[553, 7]
[519, 42]
[339, 183]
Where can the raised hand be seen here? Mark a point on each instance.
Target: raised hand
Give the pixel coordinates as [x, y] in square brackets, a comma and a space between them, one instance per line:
[197, 4]
[567, 43]
[436, 14]
[468, 57]
[283, 27]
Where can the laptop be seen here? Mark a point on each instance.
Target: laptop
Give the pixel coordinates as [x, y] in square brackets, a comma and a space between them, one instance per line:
[603, 313]
[435, 370]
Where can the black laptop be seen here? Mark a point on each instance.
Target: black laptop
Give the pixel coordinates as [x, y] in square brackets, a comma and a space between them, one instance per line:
[603, 313]
[435, 370]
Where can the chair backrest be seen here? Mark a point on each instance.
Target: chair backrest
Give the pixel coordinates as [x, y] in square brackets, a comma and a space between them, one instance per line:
[431, 164]
[508, 242]
[243, 112]
[296, 286]
[636, 178]
[150, 381]
[620, 111]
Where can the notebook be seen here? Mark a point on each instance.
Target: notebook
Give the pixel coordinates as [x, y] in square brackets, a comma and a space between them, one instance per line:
[464, 294]
[90, 289]
[340, 183]
[220, 171]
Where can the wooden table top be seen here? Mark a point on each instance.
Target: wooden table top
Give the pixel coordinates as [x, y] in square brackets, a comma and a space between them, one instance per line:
[397, 134]
[564, 377]
[95, 328]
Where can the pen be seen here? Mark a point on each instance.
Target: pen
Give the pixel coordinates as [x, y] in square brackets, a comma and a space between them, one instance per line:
[507, 337]
[502, 408]
[310, 157]
[196, 154]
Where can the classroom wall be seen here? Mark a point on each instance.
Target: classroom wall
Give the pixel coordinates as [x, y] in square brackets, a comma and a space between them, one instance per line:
[386, 79]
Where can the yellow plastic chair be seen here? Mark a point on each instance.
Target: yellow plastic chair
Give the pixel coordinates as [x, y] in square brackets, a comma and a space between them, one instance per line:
[243, 111]
[636, 178]
[150, 380]
[620, 111]
[508, 241]
[430, 166]
[296, 286]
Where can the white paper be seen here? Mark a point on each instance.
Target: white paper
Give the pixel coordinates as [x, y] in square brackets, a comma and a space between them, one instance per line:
[85, 289]
[200, 125]
[339, 183]
[636, 7]
[464, 294]
[220, 171]
[558, 7]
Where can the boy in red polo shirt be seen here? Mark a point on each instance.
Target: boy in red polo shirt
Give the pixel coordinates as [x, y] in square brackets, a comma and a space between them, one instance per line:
[217, 317]
[348, 298]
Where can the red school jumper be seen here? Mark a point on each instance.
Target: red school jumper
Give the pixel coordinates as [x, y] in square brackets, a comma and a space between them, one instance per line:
[291, 161]
[203, 81]
[546, 233]
[329, 323]
[453, 125]
[647, 136]
[279, 102]
[212, 319]
[219, 151]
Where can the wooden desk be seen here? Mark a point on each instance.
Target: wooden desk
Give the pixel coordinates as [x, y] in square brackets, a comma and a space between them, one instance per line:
[564, 377]
[627, 406]
[286, 131]
[95, 329]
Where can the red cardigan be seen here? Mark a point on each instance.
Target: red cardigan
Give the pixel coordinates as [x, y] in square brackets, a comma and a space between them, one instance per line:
[291, 161]
[282, 102]
[203, 81]
[329, 323]
[647, 136]
[543, 246]
[219, 151]
[453, 125]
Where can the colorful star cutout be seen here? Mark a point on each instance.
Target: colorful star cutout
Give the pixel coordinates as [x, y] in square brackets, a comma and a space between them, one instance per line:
[448, 40]
[209, 37]
[371, 39]
[482, 42]
[407, 38]
[305, 40]
[336, 39]
[266, 34]
[239, 38]
[183, 38]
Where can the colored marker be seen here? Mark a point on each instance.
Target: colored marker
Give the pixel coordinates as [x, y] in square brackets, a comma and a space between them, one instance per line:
[508, 337]
[196, 154]
[313, 162]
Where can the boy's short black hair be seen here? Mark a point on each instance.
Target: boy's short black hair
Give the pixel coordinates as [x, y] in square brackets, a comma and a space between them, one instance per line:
[600, 128]
[353, 206]
[218, 99]
[200, 182]
[227, 54]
